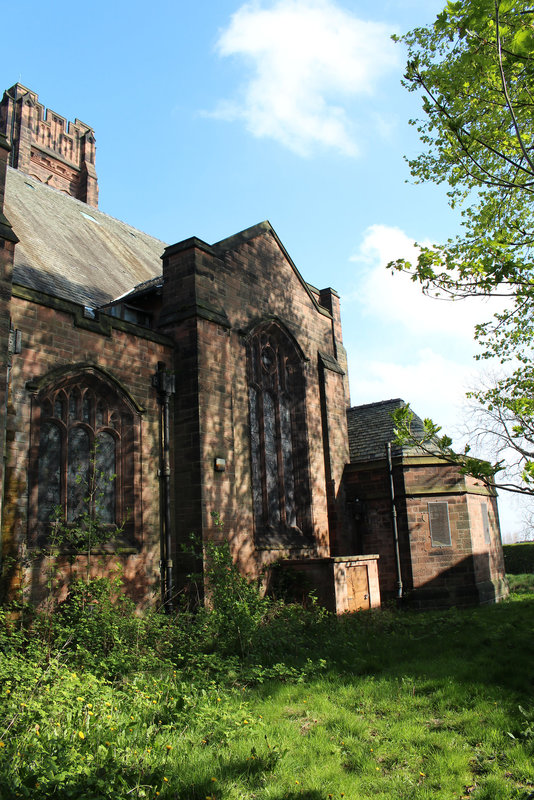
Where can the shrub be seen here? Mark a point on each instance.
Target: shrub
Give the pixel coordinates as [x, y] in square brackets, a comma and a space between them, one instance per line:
[519, 558]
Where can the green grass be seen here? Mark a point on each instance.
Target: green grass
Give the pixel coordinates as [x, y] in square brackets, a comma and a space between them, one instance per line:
[391, 705]
[258, 700]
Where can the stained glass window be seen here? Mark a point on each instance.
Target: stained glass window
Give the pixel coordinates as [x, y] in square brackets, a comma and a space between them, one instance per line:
[278, 447]
[83, 456]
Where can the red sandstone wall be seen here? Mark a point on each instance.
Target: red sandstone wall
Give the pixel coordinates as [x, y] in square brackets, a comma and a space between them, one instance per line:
[467, 571]
[50, 339]
[489, 564]
[228, 293]
[45, 145]
[7, 249]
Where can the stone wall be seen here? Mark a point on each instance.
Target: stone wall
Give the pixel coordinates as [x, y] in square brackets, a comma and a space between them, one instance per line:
[47, 146]
[213, 298]
[468, 569]
[7, 249]
[55, 335]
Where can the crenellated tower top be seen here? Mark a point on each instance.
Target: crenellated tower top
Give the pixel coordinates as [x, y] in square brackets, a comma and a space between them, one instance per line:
[46, 146]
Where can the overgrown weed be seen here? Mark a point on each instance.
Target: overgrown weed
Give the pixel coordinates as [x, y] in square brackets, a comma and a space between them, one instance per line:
[254, 697]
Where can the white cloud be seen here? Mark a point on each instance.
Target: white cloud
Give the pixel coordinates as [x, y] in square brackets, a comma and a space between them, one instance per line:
[396, 297]
[433, 384]
[432, 339]
[304, 58]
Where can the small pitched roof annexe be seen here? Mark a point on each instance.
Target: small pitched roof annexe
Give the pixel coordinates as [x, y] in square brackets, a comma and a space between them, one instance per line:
[371, 427]
[71, 250]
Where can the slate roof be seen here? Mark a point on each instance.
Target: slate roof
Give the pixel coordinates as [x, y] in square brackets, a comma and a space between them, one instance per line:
[371, 427]
[71, 250]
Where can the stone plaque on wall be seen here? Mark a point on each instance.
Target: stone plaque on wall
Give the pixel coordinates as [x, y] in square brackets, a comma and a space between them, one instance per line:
[440, 531]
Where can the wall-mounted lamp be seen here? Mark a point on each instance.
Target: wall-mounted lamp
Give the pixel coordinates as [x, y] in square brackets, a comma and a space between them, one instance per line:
[219, 464]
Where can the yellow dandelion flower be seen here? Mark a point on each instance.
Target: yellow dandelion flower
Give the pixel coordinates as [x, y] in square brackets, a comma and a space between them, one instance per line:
[169, 747]
[166, 780]
[245, 722]
[81, 699]
[2, 744]
[89, 705]
[214, 779]
[218, 699]
[81, 734]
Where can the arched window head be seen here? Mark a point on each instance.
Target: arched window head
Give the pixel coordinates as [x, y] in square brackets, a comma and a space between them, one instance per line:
[278, 441]
[83, 456]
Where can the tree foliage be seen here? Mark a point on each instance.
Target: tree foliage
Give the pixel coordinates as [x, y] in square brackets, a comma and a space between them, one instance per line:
[474, 67]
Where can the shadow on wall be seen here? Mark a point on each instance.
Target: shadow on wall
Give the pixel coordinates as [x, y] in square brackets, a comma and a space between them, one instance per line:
[41, 573]
[467, 583]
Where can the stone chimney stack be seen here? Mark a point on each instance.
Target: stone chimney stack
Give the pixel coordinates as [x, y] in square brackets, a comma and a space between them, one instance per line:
[47, 147]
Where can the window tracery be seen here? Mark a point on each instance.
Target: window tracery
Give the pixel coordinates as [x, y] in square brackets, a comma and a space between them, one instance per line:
[279, 457]
[82, 456]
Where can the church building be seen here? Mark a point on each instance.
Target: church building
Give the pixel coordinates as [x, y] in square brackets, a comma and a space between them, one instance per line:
[196, 388]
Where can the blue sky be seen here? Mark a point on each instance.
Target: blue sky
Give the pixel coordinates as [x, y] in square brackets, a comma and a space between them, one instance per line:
[212, 116]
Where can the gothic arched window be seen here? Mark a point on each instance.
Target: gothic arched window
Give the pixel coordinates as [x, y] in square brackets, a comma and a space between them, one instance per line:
[279, 453]
[83, 455]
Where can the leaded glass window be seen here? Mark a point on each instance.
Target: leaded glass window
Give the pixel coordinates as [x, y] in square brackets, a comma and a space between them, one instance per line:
[83, 455]
[278, 443]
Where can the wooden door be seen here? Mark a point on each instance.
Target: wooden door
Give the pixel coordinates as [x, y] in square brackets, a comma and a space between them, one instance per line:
[357, 588]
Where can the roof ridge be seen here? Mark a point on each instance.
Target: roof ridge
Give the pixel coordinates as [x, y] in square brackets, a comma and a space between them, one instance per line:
[378, 403]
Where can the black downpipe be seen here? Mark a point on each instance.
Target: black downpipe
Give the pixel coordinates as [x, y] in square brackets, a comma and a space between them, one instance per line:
[394, 521]
[165, 384]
